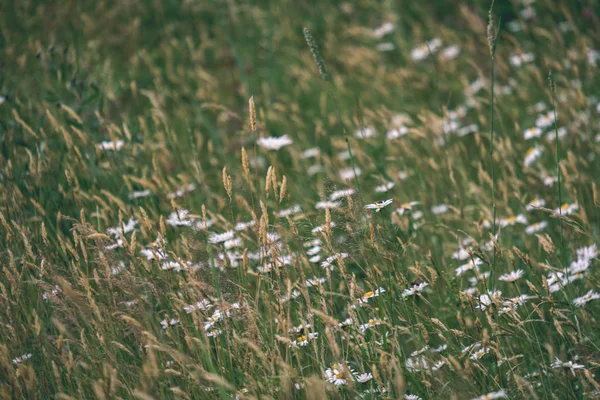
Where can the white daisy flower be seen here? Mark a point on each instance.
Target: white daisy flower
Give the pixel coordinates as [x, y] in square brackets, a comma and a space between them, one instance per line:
[273, 142]
[378, 205]
[471, 265]
[386, 46]
[570, 365]
[567, 209]
[221, 237]
[372, 322]
[532, 155]
[383, 30]
[501, 394]
[311, 153]
[338, 375]
[363, 378]
[167, 323]
[516, 60]
[531, 133]
[347, 174]
[537, 227]
[439, 209]
[414, 289]
[365, 133]
[22, 358]
[321, 205]
[139, 194]
[535, 203]
[586, 298]
[396, 133]
[450, 52]
[406, 206]
[512, 220]
[512, 276]
[340, 194]
[115, 145]
[385, 187]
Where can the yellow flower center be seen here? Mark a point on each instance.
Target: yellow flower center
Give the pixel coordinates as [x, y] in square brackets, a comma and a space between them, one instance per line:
[368, 294]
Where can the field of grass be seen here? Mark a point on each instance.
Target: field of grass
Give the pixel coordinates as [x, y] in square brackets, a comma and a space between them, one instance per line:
[205, 199]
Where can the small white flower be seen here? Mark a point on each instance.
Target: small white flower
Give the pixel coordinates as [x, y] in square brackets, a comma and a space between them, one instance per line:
[385, 187]
[321, 205]
[512, 276]
[531, 133]
[516, 60]
[586, 298]
[140, 194]
[473, 264]
[412, 397]
[274, 143]
[365, 133]
[310, 153]
[386, 46]
[378, 205]
[215, 238]
[115, 145]
[415, 289]
[383, 30]
[570, 365]
[337, 375]
[512, 220]
[451, 52]
[340, 194]
[439, 209]
[22, 358]
[167, 323]
[406, 206]
[535, 203]
[537, 227]
[501, 394]
[567, 209]
[347, 174]
[396, 133]
[532, 155]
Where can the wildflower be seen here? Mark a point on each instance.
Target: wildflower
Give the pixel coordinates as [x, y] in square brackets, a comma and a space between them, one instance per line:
[139, 194]
[387, 46]
[328, 263]
[315, 169]
[154, 254]
[337, 375]
[221, 237]
[126, 228]
[422, 51]
[512, 220]
[322, 227]
[473, 264]
[567, 209]
[406, 206]
[415, 289]
[487, 299]
[115, 145]
[383, 30]
[570, 365]
[365, 133]
[419, 352]
[501, 394]
[365, 297]
[440, 348]
[385, 187]
[535, 203]
[273, 142]
[340, 194]
[347, 174]
[416, 364]
[289, 211]
[533, 154]
[314, 281]
[242, 226]
[514, 26]
[586, 298]
[202, 225]
[239, 393]
[396, 133]
[451, 52]
[412, 397]
[545, 120]
[378, 205]
[363, 378]
[465, 130]
[516, 60]
[531, 133]
[179, 218]
[439, 209]
[202, 305]
[537, 227]
[310, 153]
[22, 358]
[551, 136]
[587, 253]
[369, 325]
[512, 277]
[181, 191]
[479, 353]
[303, 340]
[167, 323]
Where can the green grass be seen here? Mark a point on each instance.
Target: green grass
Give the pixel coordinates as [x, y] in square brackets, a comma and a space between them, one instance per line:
[172, 80]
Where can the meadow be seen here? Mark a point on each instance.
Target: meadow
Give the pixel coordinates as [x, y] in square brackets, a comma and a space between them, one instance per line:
[205, 199]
